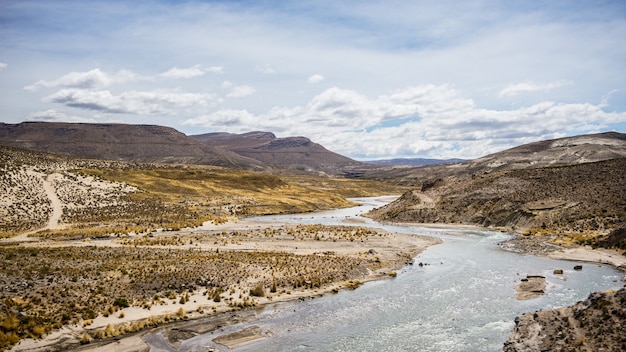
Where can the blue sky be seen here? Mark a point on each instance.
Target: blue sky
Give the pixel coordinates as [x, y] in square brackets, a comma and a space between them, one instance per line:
[367, 79]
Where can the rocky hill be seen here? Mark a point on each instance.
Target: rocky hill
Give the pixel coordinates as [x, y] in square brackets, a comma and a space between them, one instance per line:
[583, 201]
[595, 324]
[142, 143]
[258, 151]
[290, 153]
[549, 153]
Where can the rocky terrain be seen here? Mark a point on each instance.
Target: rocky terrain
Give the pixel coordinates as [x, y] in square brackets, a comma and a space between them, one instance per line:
[106, 246]
[550, 153]
[595, 324]
[577, 204]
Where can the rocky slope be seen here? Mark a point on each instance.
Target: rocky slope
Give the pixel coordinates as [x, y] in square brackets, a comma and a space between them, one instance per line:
[595, 324]
[291, 153]
[583, 201]
[549, 153]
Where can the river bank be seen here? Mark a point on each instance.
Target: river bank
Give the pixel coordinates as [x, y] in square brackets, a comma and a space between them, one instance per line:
[332, 259]
[539, 246]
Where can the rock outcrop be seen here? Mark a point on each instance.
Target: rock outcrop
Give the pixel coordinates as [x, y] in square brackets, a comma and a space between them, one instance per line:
[595, 324]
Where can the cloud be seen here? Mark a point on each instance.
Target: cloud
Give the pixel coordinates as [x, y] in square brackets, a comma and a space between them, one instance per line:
[241, 91]
[56, 116]
[518, 88]
[93, 79]
[3, 65]
[426, 120]
[228, 118]
[190, 72]
[316, 78]
[131, 102]
[215, 69]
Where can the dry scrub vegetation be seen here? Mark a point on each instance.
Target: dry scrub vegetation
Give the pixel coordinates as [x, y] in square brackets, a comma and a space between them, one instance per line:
[595, 324]
[101, 197]
[44, 288]
[107, 253]
[565, 205]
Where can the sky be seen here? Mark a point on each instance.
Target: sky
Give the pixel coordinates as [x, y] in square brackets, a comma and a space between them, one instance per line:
[366, 79]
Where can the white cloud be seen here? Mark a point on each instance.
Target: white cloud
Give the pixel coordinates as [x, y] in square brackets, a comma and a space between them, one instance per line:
[93, 79]
[176, 72]
[3, 65]
[428, 120]
[316, 78]
[231, 119]
[56, 116]
[241, 91]
[518, 88]
[131, 102]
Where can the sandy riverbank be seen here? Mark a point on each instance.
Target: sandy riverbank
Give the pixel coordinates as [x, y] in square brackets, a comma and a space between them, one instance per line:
[381, 254]
[540, 246]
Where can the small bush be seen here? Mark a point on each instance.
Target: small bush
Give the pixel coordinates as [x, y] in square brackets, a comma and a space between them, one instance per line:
[257, 291]
[121, 302]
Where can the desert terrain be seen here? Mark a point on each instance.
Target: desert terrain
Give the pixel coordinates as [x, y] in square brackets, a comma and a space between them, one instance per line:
[94, 250]
[97, 252]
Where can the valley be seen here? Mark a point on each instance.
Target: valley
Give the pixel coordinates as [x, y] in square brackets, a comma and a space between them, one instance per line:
[100, 240]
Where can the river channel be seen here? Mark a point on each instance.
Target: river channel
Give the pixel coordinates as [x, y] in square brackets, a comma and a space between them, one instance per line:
[463, 299]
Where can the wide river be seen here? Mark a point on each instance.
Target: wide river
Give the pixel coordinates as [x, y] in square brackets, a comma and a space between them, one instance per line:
[463, 300]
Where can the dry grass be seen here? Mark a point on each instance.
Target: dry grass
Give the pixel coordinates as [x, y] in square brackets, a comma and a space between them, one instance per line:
[575, 204]
[117, 197]
[45, 288]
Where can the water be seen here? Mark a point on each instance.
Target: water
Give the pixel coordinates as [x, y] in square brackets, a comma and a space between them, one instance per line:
[463, 300]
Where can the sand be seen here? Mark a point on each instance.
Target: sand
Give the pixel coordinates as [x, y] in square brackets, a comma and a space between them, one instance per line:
[393, 250]
[588, 254]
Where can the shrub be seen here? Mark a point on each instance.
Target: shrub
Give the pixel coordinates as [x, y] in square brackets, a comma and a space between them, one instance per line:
[121, 302]
[257, 291]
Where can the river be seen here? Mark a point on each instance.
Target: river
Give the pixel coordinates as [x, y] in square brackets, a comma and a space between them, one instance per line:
[461, 300]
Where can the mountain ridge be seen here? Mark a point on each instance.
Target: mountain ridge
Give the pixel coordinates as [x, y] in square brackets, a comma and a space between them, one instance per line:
[260, 151]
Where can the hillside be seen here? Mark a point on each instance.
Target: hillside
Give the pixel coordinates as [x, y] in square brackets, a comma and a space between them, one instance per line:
[555, 152]
[256, 151]
[579, 203]
[114, 196]
[140, 143]
[291, 153]
[595, 324]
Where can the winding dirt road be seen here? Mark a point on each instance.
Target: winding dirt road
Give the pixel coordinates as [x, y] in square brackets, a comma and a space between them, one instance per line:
[55, 214]
[55, 202]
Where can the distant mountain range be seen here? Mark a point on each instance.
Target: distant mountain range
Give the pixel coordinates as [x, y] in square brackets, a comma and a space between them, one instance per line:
[291, 153]
[263, 151]
[411, 162]
[149, 143]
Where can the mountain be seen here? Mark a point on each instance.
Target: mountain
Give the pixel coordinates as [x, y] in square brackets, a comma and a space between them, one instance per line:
[413, 162]
[139, 143]
[548, 153]
[582, 198]
[260, 151]
[291, 153]
[565, 191]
